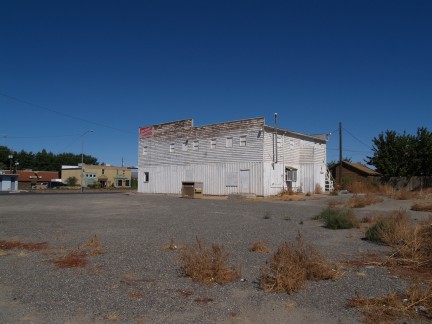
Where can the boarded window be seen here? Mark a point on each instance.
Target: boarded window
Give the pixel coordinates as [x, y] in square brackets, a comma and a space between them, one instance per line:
[229, 142]
[213, 143]
[171, 147]
[231, 179]
[243, 140]
[195, 145]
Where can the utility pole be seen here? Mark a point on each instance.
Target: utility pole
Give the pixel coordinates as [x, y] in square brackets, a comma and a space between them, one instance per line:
[340, 153]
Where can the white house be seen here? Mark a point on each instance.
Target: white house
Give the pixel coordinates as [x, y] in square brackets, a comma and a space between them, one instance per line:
[8, 182]
[244, 156]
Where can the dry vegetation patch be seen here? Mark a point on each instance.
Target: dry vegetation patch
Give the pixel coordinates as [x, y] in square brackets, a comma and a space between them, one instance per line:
[259, 246]
[422, 207]
[362, 201]
[9, 245]
[207, 264]
[71, 260]
[338, 218]
[415, 303]
[291, 265]
[411, 243]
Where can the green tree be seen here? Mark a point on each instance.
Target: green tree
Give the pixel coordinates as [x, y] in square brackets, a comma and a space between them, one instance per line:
[402, 155]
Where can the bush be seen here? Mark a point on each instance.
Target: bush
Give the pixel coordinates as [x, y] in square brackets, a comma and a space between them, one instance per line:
[72, 181]
[207, 264]
[337, 218]
[291, 265]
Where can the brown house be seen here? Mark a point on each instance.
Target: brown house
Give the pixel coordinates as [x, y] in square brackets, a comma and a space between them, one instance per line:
[353, 172]
[29, 179]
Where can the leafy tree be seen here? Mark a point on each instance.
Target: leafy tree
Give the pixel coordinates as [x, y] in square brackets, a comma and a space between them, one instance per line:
[402, 155]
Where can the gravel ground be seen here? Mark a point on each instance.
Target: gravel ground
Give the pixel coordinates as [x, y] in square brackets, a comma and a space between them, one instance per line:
[136, 280]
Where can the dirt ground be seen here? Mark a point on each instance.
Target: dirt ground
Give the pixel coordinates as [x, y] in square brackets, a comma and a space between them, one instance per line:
[130, 276]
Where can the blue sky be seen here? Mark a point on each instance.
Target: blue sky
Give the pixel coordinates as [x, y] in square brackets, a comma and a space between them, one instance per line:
[112, 66]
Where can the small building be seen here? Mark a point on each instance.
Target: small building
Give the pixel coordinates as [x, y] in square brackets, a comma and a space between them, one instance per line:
[353, 172]
[102, 176]
[29, 179]
[8, 182]
[237, 157]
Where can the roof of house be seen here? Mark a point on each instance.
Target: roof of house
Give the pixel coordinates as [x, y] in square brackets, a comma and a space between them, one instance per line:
[39, 176]
[360, 168]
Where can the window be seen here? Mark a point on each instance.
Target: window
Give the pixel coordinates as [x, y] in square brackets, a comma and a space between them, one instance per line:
[145, 150]
[229, 142]
[195, 146]
[290, 174]
[243, 140]
[127, 184]
[213, 143]
[146, 177]
[119, 183]
[185, 146]
[171, 148]
[103, 171]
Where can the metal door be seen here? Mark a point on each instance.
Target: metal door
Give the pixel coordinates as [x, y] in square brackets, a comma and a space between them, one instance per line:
[244, 181]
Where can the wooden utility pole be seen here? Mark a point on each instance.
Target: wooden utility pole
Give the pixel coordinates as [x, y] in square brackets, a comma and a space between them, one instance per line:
[340, 153]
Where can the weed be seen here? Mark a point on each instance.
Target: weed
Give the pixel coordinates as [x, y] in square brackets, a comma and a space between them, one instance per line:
[415, 303]
[9, 245]
[185, 293]
[334, 193]
[308, 194]
[92, 247]
[334, 203]
[267, 215]
[287, 218]
[203, 300]
[362, 201]
[422, 207]
[135, 295]
[171, 246]
[207, 264]
[336, 218]
[301, 222]
[411, 244]
[72, 260]
[259, 246]
[291, 265]
[318, 189]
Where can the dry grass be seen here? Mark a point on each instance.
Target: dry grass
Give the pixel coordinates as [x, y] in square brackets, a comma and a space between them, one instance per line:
[415, 303]
[362, 201]
[318, 189]
[207, 264]
[172, 246]
[9, 245]
[72, 260]
[422, 207]
[135, 295]
[259, 246]
[370, 188]
[291, 265]
[78, 258]
[411, 243]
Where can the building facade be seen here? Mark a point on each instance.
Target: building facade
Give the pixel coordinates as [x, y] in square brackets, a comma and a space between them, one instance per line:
[238, 157]
[30, 179]
[102, 176]
[8, 182]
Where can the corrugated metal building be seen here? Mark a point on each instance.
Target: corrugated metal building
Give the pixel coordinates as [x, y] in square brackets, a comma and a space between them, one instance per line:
[243, 156]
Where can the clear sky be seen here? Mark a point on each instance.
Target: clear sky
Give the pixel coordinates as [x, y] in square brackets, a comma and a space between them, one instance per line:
[112, 66]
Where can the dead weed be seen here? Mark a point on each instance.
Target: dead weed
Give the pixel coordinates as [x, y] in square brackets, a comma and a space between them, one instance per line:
[422, 207]
[9, 245]
[414, 303]
[362, 201]
[259, 246]
[207, 264]
[291, 265]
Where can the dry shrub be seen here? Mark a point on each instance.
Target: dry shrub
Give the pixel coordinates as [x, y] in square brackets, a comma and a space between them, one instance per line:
[72, 260]
[338, 218]
[415, 303]
[362, 201]
[259, 246]
[207, 264]
[411, 244]
[291, 265]
[92, 247]
[318, 189]
[369, 188]
[335, 203]
[422, 207]
[9, 245]
[171, 246]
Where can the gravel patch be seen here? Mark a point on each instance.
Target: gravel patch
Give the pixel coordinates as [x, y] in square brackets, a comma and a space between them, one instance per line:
[136, 280]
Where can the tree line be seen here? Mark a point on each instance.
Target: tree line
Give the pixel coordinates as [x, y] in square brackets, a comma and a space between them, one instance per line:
[41, 161]
[402, 155]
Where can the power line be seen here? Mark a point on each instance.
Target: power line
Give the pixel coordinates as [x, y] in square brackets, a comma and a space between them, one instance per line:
[355, 137]
[63, 114]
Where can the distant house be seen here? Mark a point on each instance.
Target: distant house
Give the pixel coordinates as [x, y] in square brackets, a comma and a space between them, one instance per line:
[104, 176]
[353, 172]
[244, 156]
[29, 179]
[8, 182]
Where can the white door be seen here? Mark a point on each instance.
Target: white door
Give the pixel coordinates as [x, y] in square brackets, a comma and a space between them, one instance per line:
[244, 181]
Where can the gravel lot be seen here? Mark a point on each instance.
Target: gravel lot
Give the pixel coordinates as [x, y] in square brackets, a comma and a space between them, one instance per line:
[136, 280]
